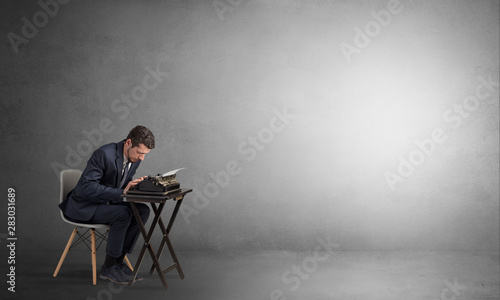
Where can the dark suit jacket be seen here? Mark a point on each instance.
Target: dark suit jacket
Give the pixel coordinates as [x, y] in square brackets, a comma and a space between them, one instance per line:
[99, 182]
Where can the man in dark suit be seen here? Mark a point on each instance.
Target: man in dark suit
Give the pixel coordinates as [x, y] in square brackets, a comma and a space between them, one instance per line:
[96, 198]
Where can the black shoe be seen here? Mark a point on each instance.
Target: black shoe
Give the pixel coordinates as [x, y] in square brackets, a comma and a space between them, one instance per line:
[115, 274]
[126, 270]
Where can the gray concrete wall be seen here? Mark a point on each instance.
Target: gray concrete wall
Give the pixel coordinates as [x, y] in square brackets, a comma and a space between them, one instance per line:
[372, 124]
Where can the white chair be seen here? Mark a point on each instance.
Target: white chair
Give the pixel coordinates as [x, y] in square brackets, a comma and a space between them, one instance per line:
[69, 179]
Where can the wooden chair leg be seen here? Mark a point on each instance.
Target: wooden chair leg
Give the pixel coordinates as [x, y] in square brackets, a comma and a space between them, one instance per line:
[94, 256]
[128, 262]
[66, 250]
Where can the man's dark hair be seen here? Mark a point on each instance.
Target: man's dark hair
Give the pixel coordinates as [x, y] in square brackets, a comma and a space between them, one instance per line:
[141, 135]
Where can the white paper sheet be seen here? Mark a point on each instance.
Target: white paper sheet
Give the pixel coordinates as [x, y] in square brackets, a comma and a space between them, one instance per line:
[172, 172]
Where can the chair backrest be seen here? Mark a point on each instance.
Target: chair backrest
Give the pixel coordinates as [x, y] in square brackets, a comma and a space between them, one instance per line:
[69, 179]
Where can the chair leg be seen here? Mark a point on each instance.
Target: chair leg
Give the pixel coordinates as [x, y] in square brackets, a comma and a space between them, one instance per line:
[94, 257]
[66, 250]
[128, 262]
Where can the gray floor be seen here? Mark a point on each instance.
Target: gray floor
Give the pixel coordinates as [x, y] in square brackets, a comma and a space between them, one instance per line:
[342, 275]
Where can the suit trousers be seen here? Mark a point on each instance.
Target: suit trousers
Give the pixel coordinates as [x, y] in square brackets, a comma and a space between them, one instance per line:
[123, 227]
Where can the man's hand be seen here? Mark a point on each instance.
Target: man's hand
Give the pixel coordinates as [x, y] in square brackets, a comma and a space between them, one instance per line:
[132, 183]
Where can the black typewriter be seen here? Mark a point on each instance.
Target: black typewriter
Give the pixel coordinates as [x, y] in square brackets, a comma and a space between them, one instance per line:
[156, 185]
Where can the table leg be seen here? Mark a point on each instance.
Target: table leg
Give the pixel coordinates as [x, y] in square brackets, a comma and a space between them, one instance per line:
[147, 244]
[166, 239]
[174, 257]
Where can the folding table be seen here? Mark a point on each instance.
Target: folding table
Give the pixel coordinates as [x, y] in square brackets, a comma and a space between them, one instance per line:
[154, 199]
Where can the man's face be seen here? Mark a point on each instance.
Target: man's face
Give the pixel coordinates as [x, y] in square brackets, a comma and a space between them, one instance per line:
[134, 154]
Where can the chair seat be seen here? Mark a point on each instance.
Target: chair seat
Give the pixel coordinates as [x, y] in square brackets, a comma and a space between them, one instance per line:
[86, 225]
[96, 226]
